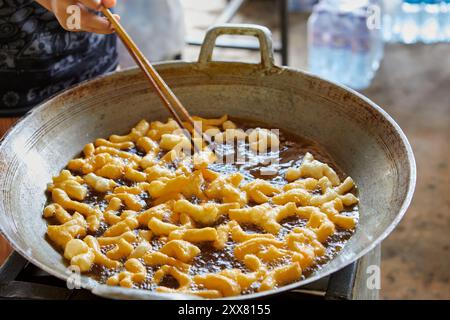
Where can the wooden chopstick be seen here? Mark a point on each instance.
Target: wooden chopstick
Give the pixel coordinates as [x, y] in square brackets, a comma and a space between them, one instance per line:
[166, 95]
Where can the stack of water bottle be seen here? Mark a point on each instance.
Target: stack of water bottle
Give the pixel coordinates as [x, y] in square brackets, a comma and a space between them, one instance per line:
[345, 37]
[412, 21]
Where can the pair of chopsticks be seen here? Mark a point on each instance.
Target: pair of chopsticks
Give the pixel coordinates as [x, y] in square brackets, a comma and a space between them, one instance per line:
[166, 95]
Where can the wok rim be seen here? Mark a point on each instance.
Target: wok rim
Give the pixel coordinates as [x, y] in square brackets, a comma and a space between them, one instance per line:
[90, 283]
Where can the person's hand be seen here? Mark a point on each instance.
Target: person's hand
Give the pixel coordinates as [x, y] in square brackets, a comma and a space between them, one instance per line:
[89, 21]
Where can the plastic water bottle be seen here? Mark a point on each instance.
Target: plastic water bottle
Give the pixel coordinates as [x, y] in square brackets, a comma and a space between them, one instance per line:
[425, 21]
[341, 42]
[431, 29]
[366, 53]
[343, 47]
[445, 20]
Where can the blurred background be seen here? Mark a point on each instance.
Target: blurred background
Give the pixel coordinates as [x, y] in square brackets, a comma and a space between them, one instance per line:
[395, 52]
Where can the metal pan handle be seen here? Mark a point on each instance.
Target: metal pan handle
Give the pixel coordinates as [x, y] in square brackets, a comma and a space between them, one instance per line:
[262, 33]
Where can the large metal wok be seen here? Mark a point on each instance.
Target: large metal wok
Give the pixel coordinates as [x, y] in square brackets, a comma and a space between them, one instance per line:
[362, 138]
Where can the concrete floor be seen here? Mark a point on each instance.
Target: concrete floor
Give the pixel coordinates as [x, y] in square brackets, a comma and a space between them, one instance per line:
[413, 86]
